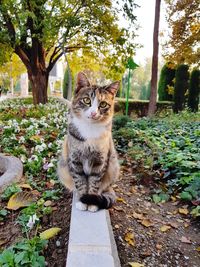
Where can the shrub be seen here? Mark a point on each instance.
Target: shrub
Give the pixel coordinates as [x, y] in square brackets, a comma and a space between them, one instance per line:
[194, 90]
[167, 76]
[181, 86]
[67, 84]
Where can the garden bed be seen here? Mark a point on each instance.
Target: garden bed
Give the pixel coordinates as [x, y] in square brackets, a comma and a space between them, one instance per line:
[35, 136]
[156, 218]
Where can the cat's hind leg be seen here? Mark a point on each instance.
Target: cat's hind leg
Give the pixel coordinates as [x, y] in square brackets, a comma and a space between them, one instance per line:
[62, 168]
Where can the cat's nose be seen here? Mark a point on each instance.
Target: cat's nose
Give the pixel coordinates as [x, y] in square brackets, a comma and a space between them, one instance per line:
[93, 114]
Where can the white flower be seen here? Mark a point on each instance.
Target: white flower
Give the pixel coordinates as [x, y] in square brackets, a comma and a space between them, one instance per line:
[33, 158]
[23, 158]
[22, 140]
[32, 220]
[40, 148]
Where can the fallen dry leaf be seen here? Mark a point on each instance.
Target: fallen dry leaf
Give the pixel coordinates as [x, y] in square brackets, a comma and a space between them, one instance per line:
[186, 225]
[173, 224]
[183, 211]
[198, 249]
[120, 199]
[173, 198]
[26, 186]
[118, 208]
[135, 264]
[116, 226]
[165, 228]
[145, 254]
[133, 189]
[130, 239]
[20, 199]
[159, 246]
[47, 203]
[49, 233]
[155, 210]
[185, 240]
[146, 222]
[139, 216]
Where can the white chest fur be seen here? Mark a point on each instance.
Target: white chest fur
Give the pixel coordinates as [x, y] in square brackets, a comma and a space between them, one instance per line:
[89, 130]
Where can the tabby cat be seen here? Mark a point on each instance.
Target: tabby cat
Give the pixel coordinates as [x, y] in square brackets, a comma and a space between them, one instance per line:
[89, 163]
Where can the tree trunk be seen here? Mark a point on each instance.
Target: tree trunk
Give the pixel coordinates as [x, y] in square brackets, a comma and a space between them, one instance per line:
[154, 68]
[39, 82]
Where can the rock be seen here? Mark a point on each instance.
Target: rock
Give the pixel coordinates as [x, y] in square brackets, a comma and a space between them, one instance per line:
[12, 170]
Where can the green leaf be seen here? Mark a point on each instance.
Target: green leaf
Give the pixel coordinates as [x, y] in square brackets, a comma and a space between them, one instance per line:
[156, 198]
[186, 196]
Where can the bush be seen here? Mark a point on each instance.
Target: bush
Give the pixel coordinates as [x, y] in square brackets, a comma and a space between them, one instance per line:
[67, 84]
[181, 86]
[167, 76]
[194, 90]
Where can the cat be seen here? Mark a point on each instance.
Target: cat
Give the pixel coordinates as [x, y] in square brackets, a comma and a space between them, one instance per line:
[89, 163]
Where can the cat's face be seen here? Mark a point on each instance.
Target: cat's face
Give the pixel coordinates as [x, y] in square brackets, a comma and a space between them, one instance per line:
[93, 103]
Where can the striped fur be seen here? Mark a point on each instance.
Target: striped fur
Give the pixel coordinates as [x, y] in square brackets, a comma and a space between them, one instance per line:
[89, 163]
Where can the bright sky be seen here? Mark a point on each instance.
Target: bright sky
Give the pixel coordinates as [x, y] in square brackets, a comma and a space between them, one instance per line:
[145, 18]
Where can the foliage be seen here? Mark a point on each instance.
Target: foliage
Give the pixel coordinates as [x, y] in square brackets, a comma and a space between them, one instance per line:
[9, 191]
[167, 76]
[183, 20]
[194, 90]
[12, 69]
[25, 253]
[180, 87]
[66, 82]
[40, 32]
[169, 145]
[27, 134]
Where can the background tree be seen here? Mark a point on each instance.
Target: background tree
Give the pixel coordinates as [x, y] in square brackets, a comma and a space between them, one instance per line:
[10, 72]
[183, 19]
[67, 83]
[40, 31]
[180, 87]
[194, 90]
[167, 76]
[140, 81]
[154, 69]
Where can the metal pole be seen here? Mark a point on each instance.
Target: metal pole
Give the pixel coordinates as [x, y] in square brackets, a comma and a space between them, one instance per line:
[128, 90]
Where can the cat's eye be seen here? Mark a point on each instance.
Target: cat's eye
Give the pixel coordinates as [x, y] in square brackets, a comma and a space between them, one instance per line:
[103, 104]
[87, 101]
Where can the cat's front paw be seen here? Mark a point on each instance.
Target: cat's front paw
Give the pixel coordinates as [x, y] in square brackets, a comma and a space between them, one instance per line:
[81, 206]
[93, 208]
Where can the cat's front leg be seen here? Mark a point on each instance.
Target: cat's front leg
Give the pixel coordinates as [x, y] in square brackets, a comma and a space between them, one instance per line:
[81, 188]
[93, 188]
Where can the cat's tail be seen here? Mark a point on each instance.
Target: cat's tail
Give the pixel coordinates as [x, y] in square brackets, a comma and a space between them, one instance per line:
[103, 201]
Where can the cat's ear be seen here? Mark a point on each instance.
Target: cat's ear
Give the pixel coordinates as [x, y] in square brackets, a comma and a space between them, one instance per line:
[113, 87]
[82, 81]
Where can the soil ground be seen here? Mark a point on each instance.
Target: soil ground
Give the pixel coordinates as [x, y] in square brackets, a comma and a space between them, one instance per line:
[155, 235]
[56, 251]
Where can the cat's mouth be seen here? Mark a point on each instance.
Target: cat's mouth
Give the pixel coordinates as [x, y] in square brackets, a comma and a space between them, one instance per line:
[94, 118]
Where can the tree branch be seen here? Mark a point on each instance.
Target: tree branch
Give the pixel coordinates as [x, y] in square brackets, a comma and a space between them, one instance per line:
[9, 26]
[23, 55]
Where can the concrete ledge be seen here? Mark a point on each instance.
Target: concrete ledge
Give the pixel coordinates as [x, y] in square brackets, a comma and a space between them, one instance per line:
[91, 240]
[12, 170]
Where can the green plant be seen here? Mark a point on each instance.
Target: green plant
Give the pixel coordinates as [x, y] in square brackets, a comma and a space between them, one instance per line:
[26, 253]
[196, 211]
[194, 90]
[51, 194]
[9, 191]
[180, 87]
[120, 121]
[3, 214]
[167, 76]
[24, 216]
